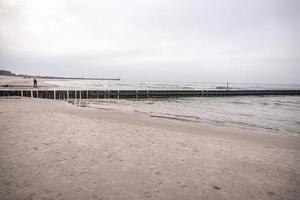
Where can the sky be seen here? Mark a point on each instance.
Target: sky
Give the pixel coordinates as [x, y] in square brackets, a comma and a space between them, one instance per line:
[253, 41]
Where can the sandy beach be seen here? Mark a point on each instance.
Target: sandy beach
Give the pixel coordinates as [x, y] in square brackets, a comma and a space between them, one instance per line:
[12, 82]
[54, 150]
[149, 100]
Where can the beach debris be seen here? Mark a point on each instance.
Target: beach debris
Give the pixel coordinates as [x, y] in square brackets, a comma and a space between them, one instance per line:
[270, 193]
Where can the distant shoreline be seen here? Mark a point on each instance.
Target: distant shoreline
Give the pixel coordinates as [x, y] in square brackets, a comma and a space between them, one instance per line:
[70, 78]
[10, 74]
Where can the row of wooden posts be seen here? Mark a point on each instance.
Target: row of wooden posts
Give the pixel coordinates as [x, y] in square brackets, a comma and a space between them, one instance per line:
[123, 94]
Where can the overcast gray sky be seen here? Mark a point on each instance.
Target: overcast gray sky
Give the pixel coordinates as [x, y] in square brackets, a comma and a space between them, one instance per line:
[184, 40]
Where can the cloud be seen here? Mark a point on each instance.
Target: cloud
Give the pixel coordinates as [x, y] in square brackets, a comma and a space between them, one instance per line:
[161, 38]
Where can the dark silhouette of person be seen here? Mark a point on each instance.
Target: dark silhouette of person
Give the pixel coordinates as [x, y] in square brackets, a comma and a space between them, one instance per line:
[34, 82]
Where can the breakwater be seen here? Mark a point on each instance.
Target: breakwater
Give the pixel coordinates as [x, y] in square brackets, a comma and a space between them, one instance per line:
[126, 94]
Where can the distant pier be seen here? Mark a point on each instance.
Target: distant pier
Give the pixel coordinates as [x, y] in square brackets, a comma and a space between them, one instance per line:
[138, 94]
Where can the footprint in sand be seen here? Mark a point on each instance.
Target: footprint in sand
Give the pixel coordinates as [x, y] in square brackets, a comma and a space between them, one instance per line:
[59, 195]
[216, 187]
[8, 183]
[46, 191]
[270, 193]
[182, 184]
[31, 195]
[147, 194]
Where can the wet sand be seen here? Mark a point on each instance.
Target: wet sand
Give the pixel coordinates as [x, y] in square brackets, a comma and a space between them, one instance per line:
[54, 150]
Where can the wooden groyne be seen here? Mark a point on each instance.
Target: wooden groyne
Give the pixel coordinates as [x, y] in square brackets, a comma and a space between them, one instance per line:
[138, 94]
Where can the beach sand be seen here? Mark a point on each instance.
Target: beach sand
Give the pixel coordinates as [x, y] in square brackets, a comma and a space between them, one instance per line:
[54, 150]
[12, 82]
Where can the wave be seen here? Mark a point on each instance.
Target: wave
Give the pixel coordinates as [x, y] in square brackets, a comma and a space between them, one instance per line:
[269, 114]
[246, 114]
[240, 103]
[238, 124]
[173, 118]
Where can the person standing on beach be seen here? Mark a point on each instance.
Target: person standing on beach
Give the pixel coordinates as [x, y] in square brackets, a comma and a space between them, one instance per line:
[34, 82]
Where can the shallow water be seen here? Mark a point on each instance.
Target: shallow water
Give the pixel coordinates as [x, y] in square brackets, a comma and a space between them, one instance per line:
[273, 114]
[142, 85]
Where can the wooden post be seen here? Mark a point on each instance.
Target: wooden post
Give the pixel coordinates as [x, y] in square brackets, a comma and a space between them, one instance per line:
[54, 94]
[22, 93]
[67, 95]
[80, 94]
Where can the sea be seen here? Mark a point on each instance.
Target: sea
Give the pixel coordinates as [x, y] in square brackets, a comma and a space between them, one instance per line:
[267, 114]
